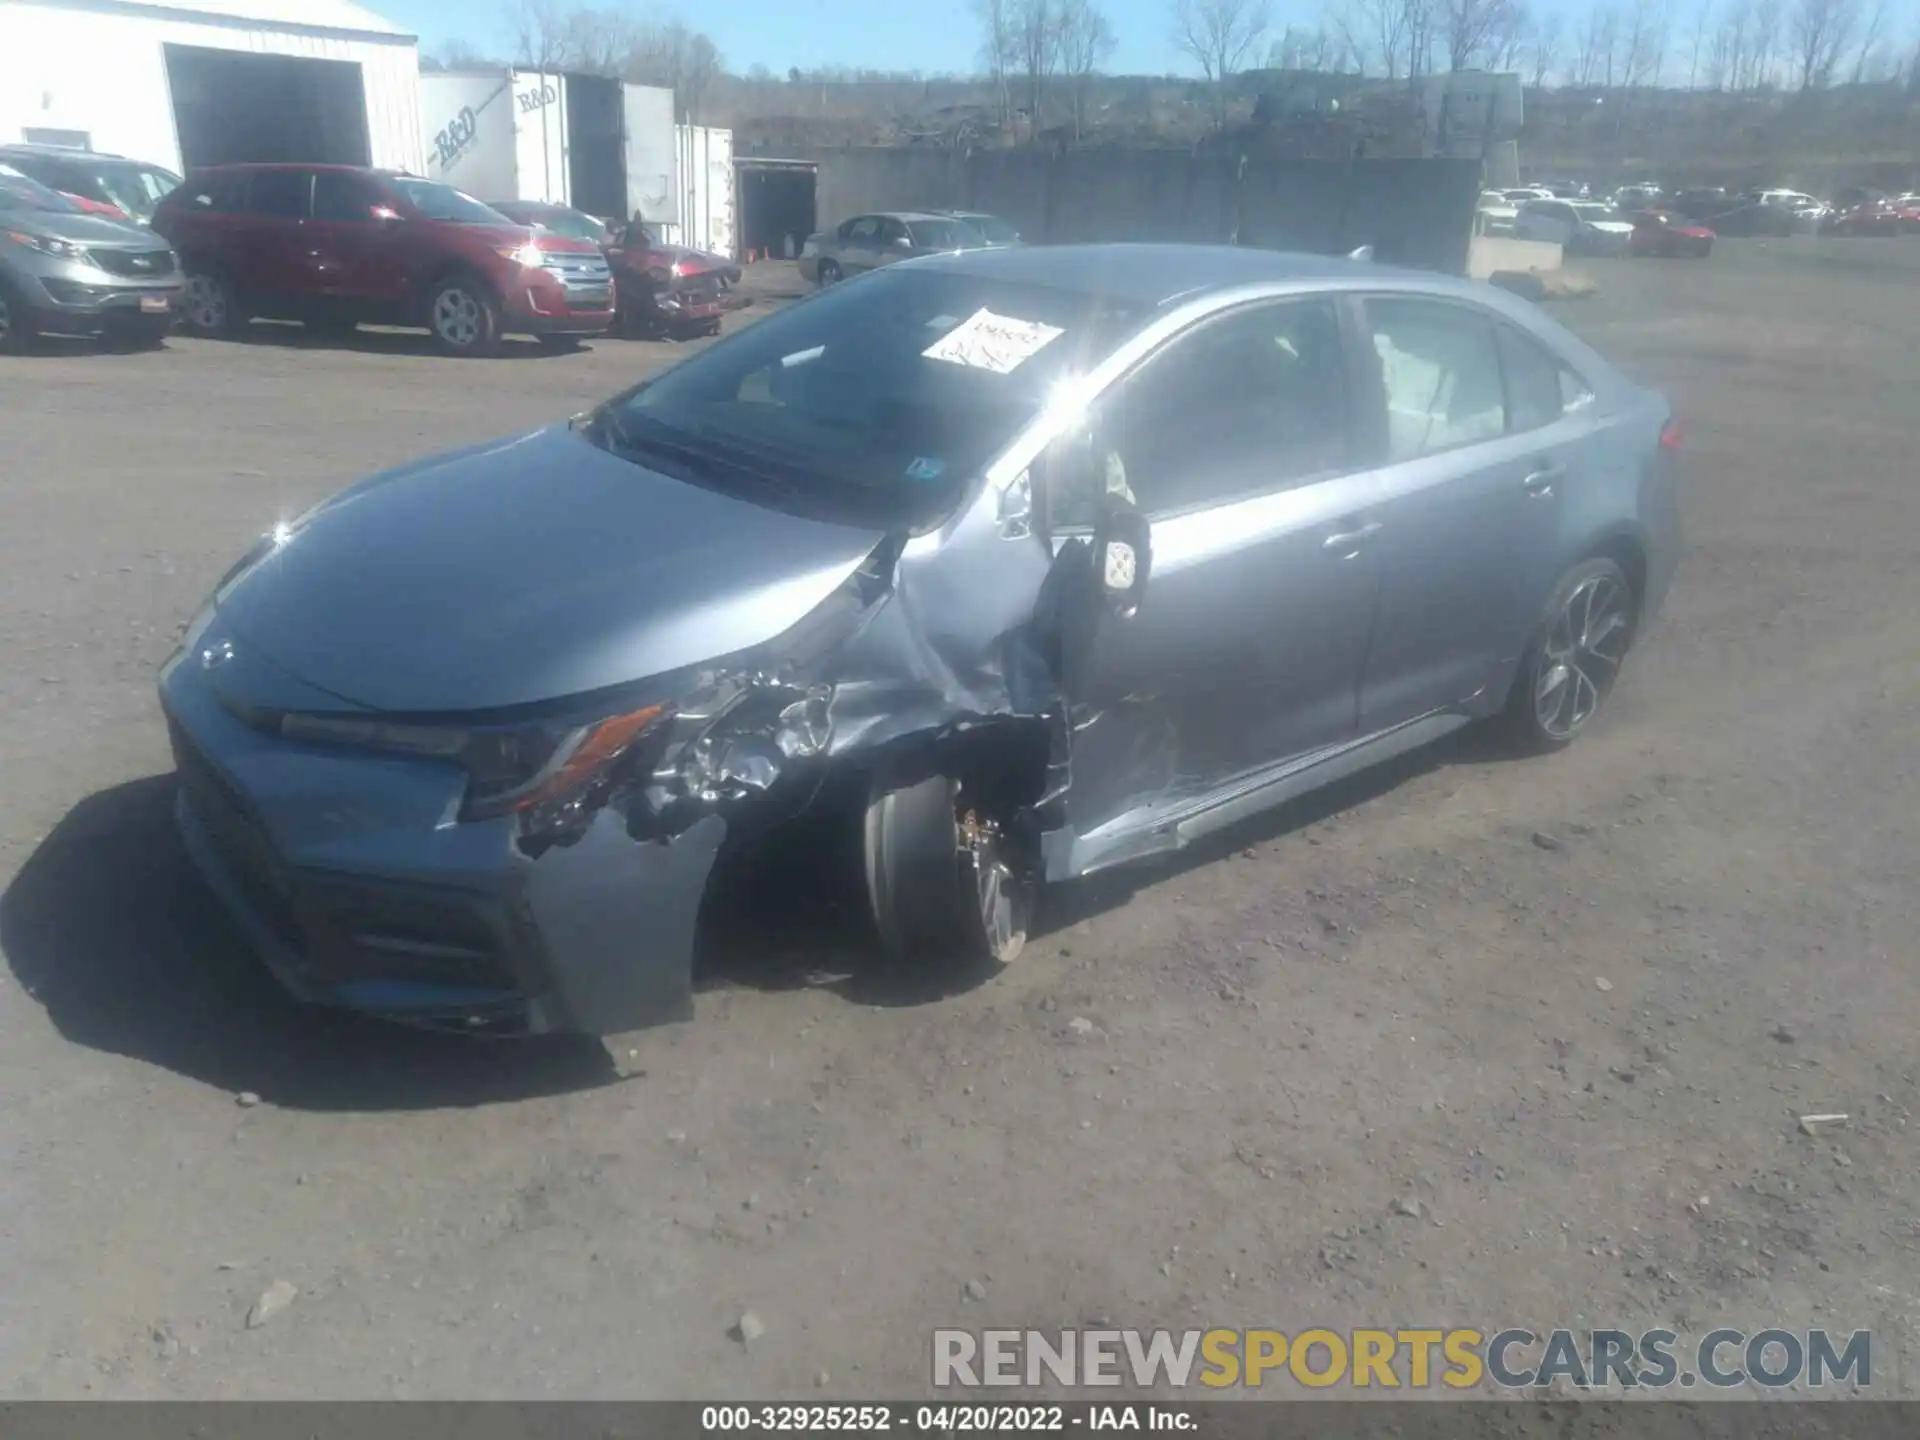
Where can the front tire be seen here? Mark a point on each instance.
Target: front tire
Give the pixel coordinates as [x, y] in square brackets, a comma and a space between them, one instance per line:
[829, 273]
[1570, 667]
[17, 333]
[464, 317]
[945, 883]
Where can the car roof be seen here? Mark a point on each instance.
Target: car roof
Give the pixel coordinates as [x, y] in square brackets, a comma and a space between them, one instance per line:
[68, 152]
[1153, 274]
[248, 167]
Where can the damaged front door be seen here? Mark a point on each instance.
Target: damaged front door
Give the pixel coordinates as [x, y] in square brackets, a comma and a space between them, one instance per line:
[1245, 644]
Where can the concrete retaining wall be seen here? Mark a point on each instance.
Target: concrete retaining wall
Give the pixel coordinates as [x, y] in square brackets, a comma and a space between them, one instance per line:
[1413, 212]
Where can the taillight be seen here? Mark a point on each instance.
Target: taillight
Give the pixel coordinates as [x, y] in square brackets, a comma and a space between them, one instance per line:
[1671, 437]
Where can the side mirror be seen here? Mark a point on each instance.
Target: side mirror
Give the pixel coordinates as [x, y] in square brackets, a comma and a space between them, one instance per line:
[384, 215]
[1122, 557]
[902, 242]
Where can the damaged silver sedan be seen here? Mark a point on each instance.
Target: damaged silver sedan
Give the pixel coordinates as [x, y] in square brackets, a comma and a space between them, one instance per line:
[1050, 559]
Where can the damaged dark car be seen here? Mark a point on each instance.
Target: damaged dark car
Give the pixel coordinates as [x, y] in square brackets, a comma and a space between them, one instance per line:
[1053, 559]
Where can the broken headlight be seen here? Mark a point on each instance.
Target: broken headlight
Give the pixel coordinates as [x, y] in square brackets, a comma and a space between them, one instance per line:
[549, 772]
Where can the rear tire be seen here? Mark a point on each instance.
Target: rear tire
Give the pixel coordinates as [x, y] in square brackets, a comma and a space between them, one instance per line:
[464, 317]
[829, 273]
[1577, 650]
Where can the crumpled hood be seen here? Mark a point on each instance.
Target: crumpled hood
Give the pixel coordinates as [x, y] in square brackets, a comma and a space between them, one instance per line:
[530, 569]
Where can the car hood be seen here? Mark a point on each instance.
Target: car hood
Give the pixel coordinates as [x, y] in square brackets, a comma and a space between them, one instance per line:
[80, 228]
[529, 569]
[1610, 227]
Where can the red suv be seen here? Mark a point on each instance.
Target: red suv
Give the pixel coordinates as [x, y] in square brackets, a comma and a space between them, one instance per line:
[335, 247]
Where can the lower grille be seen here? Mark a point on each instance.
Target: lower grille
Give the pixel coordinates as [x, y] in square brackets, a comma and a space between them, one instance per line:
[238, 839]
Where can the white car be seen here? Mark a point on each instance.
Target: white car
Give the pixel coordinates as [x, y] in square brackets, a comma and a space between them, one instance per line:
[1495, 214]
[1583, 227]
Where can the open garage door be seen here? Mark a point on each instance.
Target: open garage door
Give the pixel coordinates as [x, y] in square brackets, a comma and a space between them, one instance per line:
[232, 107]
[596, 146]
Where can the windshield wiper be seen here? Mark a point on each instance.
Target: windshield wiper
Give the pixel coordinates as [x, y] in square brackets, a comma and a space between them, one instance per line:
[703, 461]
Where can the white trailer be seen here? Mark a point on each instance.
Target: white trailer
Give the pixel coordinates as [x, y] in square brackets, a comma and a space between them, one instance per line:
[498, 134]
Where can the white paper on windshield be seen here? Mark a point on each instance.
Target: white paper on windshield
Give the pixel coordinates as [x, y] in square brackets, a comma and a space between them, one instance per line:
[987, 341]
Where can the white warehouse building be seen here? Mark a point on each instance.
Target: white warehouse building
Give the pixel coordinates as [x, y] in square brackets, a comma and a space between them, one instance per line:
[185, 83]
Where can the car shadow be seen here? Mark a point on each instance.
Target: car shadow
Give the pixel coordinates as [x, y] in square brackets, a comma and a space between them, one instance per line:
[289, 335]
[108, 927]
[798, 918]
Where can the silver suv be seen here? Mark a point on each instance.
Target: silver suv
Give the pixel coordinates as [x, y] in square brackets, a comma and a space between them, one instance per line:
[64, 272]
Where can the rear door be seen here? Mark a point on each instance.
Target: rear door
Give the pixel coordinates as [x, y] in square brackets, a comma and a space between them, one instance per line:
[1471, 476]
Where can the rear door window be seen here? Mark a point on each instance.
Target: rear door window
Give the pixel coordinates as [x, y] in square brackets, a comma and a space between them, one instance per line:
[1440, 374]
[280, 194]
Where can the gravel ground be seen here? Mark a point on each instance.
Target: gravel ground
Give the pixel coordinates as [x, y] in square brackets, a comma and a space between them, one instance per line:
[1572, 1008]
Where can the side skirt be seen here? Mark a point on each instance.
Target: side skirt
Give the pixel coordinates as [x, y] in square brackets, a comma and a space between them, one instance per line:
[1158, 828]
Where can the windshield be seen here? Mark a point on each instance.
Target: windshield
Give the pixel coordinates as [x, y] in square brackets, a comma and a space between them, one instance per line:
[136, 189]
[996, 230]
[17, 192]
[875, 402]
[574, 224]
[946, 235]
[435, 201]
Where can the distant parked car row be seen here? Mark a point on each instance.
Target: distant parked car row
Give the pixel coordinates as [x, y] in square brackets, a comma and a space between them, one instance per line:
[98, 245]
[866, 242]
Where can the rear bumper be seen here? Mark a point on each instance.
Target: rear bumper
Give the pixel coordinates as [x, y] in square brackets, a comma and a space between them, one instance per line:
[349, 877]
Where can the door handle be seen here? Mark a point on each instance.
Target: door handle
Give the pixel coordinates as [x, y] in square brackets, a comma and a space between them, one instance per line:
[1346, 542]
[1541, 482]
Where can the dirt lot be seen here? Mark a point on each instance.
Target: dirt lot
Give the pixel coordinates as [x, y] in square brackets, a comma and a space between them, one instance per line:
[1571, 1008]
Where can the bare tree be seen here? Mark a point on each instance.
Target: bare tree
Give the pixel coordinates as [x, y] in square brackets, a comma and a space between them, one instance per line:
[1764, 26]
[538, 30]
[1086, 40]
[1643, 45]
[1545, 47]
[1817, 32]
[1423, 24]
[1507, 41]
[1036, 44]
[1217, 34]
[1866, 59]
[1468, 28]
[997, 51]
[1593, 63]
[1700, 15]
[676, 58]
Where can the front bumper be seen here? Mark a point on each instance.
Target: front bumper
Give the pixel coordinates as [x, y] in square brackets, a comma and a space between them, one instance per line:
[70, 298]
[351, 876]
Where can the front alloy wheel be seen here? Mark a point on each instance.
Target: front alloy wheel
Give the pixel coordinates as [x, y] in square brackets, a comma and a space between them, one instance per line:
[463, 319]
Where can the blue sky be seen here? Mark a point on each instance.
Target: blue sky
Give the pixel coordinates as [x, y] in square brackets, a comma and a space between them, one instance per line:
[929, 35]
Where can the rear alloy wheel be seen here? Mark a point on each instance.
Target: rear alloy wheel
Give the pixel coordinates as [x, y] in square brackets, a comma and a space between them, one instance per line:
[208, 306]
[1575, 657]
[464, 318]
